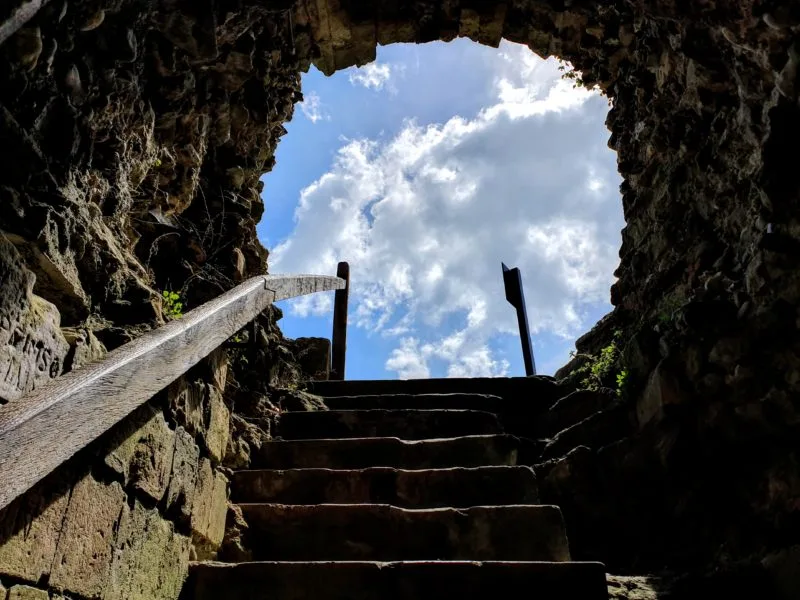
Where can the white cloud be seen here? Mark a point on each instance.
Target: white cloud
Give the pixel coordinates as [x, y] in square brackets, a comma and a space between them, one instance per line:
[426, 217]
[312, 108]
[409, 360]
[373, 76]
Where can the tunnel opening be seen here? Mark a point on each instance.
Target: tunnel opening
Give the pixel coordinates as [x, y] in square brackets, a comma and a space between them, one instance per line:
[426, 169]
[135, 135]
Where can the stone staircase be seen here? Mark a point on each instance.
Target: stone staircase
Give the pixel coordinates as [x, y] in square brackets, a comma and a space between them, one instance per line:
[398, 491]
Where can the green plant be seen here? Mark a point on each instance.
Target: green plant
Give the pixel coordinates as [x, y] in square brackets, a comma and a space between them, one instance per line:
[568, 72]
[622, 383]
[602, 369]
[667, 309]
[173, 307]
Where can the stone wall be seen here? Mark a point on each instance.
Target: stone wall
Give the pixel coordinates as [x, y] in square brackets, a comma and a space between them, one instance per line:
[129, 167]
[125, 516]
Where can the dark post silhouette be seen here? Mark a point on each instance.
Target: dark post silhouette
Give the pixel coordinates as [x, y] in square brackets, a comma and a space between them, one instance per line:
[512, 280]
[339, 337]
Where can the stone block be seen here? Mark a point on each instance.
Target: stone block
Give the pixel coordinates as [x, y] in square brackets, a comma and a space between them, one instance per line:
[25, 592]
[3, 591]
[662, 389]
[596, 431]
[29, 530]
[142, 452]
[84, 551]
[470, 24]
[32, 348]
[150, 560]
[218, 363]
[209, 510]
[187, 401]
[391, 32]
[313, 355]
[183, 479]
[56, 273]
[573, 408]
[85, 348]
[491, 27]
[219, 425]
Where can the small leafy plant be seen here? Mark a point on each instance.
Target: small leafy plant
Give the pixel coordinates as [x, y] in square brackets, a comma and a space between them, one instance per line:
[622, 382]
[568, 72]
[668, 308]
[602, 369]
[173, 306]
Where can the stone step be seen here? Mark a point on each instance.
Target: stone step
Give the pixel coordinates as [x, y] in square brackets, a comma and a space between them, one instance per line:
[361, 453]
[456, 487]
[405, 424]
[397, 580]
[573, 409]
[485, 402]
[538, 390]
[383, 532]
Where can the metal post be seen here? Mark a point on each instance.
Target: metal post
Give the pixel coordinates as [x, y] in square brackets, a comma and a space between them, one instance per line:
[512, 280]
[339, 337]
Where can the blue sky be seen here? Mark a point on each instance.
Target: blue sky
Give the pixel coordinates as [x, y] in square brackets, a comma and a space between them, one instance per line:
[425, 170]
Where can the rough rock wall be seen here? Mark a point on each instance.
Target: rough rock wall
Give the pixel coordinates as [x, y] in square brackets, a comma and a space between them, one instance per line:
[134, 135]
[134, 132]
[123, 518]
[132, 138]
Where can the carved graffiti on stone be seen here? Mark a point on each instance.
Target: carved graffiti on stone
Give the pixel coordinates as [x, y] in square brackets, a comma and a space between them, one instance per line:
[32, 348]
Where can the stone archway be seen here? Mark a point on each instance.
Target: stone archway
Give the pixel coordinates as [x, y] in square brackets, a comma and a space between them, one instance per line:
[135, 133]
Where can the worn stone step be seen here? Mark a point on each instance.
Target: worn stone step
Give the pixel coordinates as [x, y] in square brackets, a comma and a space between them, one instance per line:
[456, 487]
[600, 429]
[573, 409]
[485, 402]
[397, 580]
[540, 390]
[383, 532]
[405, 424]
[361, 453]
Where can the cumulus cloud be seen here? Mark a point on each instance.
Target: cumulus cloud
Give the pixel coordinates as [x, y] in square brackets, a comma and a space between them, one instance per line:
[312, 108]
[373, 76]
[408, 360]
[425, 218]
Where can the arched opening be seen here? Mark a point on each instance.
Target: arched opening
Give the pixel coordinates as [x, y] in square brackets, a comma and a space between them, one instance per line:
[428, 168]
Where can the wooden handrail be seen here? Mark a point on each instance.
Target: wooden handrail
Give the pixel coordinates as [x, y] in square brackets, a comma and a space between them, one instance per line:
[43, 429]
[18, 16]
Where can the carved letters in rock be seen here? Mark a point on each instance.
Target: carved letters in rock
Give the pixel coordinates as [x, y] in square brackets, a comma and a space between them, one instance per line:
[32, 348]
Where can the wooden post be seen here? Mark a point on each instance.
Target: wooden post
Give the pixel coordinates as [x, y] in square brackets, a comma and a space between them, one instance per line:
[512, 280]
[339, 337]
